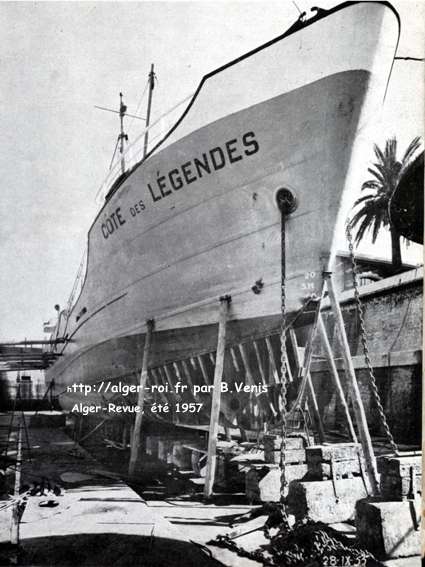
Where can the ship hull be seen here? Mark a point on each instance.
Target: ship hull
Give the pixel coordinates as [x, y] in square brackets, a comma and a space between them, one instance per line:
[199, 220]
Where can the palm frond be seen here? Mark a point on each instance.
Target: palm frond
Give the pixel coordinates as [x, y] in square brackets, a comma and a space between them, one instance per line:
[371, 184]
[379, 153]
[414, 145]
[363, 228]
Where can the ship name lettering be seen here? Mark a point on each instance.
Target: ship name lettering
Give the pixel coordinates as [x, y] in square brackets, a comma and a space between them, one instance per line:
[137, 208]
[112, 223]
[216, 158]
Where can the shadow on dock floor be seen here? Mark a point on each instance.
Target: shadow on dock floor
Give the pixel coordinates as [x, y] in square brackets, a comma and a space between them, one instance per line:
[108, 549]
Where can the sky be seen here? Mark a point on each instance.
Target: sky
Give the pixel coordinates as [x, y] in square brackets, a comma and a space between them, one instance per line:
[59, 60]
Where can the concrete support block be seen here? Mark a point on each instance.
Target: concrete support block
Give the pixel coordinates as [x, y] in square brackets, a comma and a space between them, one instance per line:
[319, 501]
[273, 443]
[388, 529]
[342, 460]
[292, 456]
[401, 476]
[263, 482]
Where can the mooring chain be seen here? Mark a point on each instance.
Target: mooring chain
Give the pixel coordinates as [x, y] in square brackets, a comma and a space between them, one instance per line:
[287, 204]
[363, 338]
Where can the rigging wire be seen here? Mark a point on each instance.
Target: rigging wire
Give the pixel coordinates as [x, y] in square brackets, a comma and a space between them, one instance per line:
[139, 104]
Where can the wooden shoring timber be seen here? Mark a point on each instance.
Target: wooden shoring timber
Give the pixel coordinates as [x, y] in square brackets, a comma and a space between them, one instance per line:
[158, 381]
[359, 411]
[135, 441]
[272, 360]
[166, 376]
[211, 355]
[177, 371]
[188, 376]
[248, 373]
[92, 431]
[300, 361]
[234, 360]
[335, 375]
[14, 529]
[216, 398]
[203, 369]
[263, 377]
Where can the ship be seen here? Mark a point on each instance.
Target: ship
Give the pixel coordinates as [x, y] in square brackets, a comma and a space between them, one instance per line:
[196, 218]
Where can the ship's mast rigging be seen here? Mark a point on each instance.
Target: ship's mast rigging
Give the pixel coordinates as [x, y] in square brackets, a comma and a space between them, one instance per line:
[122, 136]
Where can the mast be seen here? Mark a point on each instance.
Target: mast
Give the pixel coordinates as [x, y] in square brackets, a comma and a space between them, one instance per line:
[122, 136]
[148, 114]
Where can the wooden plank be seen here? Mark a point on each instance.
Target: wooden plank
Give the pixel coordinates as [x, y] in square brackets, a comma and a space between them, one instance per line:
[234, 360]
[215, 405]
[335, 375]
[248, 372]
[165, 372]
[135, 441]
[272, 360]
[14, 530]
[371, 468]
[203, 369]
[393, 359]
[186, 372]
[300, 359]
[157, 378]
[263, 377]
[259, 363]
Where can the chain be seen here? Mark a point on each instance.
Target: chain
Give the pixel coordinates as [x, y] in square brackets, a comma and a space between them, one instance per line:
[283, 362]
[363, 338]
[307, 543]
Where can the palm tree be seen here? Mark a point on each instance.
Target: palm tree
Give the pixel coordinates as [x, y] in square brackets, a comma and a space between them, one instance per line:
[373, 213]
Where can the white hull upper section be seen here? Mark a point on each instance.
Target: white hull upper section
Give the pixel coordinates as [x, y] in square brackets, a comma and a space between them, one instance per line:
[198, 219]
[361, 36]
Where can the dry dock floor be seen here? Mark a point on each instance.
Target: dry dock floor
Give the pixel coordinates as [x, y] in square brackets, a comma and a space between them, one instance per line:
[99, 520]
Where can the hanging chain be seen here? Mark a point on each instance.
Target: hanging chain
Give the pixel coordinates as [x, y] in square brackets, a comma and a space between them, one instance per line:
[283, 362]
[363, 338]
